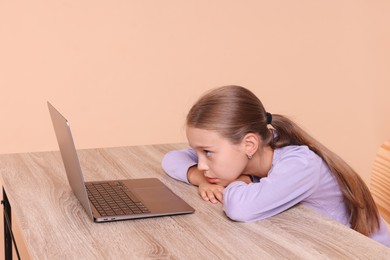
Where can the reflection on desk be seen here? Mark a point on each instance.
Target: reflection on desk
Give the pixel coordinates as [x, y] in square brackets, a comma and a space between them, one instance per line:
[53, 225]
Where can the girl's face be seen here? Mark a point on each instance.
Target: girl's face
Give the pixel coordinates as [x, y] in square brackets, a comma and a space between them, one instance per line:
[221, 161]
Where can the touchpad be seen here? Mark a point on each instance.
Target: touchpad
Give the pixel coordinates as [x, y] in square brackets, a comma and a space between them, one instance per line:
[162, 200]
[154, 194]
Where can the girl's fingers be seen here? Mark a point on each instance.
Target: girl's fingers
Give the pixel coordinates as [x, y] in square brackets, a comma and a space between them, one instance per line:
[210, 195]
[204, 196]
[219, 197]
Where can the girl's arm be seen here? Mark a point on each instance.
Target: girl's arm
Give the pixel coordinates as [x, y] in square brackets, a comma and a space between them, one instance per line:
[290, 181]
[177, 163]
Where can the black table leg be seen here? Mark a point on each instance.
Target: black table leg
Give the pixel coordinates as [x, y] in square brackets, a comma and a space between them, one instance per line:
[8, 235]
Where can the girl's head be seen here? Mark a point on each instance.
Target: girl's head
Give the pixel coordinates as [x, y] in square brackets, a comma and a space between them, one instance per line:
[225, 127]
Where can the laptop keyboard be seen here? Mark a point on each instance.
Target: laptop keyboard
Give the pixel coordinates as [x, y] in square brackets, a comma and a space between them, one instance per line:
[111, 199]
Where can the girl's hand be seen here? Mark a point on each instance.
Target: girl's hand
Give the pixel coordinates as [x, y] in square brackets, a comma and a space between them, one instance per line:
[244, 178]
[208, 191]
[211, 192]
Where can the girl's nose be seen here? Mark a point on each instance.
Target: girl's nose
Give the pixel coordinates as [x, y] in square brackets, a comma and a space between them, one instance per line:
[202, 166]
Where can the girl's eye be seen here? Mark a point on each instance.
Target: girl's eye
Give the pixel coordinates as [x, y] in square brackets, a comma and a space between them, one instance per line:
[208, 153]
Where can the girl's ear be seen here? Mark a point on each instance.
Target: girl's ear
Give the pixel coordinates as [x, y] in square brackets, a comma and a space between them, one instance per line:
[251, 143]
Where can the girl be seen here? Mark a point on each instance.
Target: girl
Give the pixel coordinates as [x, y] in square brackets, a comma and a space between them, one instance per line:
[259, 165]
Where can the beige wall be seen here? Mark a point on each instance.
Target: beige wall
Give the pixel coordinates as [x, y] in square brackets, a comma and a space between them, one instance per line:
[126, 72]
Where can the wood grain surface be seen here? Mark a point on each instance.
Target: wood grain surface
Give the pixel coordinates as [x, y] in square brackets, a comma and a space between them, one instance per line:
[53, 225]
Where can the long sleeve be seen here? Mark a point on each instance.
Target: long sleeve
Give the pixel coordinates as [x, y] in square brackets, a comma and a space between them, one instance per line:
[382, 235]
[176, 163]
[294, 176]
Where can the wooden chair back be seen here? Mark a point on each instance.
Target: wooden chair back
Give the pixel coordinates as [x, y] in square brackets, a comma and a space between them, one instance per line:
[380, 180]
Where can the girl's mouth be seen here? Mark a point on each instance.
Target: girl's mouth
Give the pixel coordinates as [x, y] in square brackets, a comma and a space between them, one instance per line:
[212, 180]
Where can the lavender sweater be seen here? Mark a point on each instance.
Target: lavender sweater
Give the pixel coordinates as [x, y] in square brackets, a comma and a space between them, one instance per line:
[297, 175]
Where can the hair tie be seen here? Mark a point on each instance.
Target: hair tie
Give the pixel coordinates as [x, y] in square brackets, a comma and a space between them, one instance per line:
[269, 118]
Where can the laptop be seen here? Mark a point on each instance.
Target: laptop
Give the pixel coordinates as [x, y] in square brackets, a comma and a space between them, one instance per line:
[114, 200]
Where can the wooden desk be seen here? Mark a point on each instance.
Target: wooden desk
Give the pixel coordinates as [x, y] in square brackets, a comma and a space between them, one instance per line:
[53, 225]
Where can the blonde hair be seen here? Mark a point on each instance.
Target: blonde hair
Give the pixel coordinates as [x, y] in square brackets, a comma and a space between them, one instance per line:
[234, 111]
